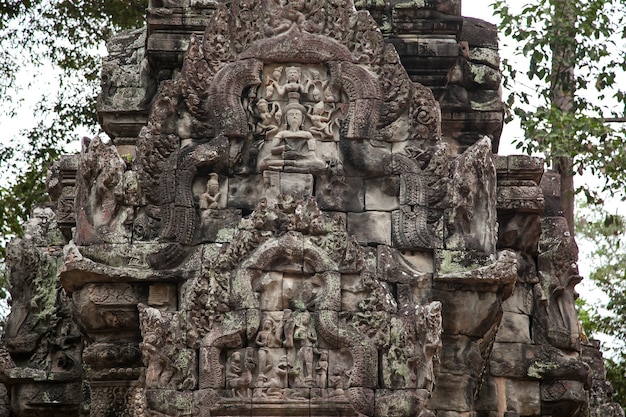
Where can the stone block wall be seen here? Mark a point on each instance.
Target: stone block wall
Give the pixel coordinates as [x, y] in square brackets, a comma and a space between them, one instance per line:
[300, 212]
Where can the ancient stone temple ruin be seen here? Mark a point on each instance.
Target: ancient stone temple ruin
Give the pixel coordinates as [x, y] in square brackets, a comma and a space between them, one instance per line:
[300, 212]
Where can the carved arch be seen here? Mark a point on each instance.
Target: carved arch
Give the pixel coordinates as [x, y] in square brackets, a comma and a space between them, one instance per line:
[296, 46]
[225, 92]
[245, 318]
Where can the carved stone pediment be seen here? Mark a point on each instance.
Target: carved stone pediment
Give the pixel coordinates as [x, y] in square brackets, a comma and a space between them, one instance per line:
[295, 313]
[313, 96]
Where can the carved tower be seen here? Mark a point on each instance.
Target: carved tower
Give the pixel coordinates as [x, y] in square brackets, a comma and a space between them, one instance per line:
[299, 213]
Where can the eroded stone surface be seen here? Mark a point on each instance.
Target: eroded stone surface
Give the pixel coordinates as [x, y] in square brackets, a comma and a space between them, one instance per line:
[288, 222]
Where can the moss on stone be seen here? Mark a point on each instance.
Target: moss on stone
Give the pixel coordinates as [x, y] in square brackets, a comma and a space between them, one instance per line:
[538, 368]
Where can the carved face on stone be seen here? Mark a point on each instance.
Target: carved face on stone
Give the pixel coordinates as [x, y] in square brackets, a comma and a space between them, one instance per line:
[293, 74]
[297, 4]
[294, 118]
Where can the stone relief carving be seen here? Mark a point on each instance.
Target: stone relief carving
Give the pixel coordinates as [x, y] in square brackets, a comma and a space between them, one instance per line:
[281, 336]
[311, 90]
[473, 197]
[41, 344]
[168, 363]
[558, 274]
[292, 232]
[293, 148]
[102, 216]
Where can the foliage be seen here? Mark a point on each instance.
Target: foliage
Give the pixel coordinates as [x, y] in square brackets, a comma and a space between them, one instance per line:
[575, 45]
[564, 84]
[616, 373]
[59, 40]
[606, 233]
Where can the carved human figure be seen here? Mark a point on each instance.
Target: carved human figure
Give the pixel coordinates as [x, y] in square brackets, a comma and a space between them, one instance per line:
[289, 326]
[264, 340]
[337, 383]
[283, 20]
[293, 150]
[304, 333]
[293, 85]
[315, 86]
[267, 336]
[268, 118]
[321, 120]
[233, 371]
[159, 371]
[238, 378]
[321, 369]
[562, 308]
[557, 321]
[271, 80]
[366, 38]
[210, 198]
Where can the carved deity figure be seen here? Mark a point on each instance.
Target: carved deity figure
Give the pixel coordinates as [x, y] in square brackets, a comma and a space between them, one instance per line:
[271, 80]
[293, 84]
[293, 150]
[268, 117]
[210, 198]
[239, 374]
[321, 369]
[321, 120]
[337, 383]
[159, 372]
[287, 15]
[315, 86]
[289, 325]
[265, 339]
[304, 333]
[557, 322]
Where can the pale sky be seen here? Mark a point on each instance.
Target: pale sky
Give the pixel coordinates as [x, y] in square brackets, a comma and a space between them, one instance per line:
[478, 8]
